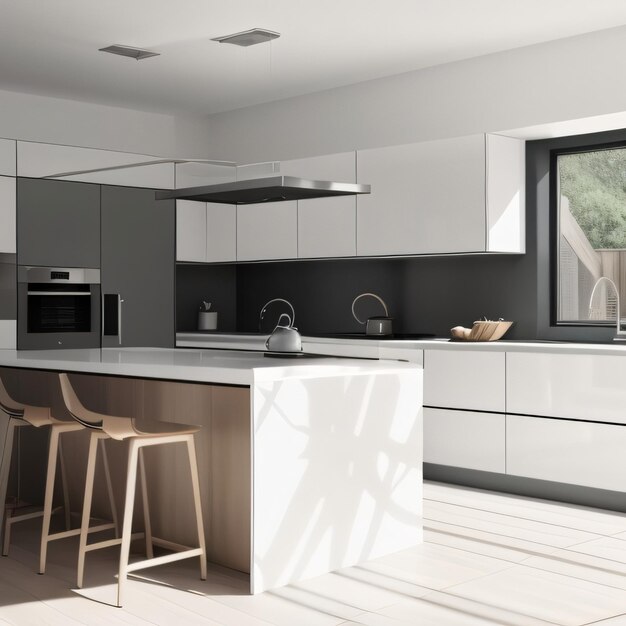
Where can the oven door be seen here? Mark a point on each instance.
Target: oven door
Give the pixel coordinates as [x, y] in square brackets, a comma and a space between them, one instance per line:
[58, 314]
[58, 308]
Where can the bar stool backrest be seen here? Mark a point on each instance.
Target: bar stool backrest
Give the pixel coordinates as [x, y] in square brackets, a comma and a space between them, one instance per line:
[82, 415]
[8, 405]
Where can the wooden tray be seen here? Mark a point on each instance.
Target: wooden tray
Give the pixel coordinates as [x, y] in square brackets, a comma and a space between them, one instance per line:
[482, 330]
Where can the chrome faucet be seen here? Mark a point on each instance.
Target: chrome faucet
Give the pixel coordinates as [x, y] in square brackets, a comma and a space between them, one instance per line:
[620, 335]
[264, 309]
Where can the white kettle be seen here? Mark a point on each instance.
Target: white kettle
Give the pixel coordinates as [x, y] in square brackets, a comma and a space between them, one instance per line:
[284, 338]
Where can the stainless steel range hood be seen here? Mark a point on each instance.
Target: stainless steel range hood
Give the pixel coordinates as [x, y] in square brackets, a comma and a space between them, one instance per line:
[269, 189]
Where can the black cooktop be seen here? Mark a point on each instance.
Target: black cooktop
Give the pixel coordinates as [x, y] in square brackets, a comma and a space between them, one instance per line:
[395, 336]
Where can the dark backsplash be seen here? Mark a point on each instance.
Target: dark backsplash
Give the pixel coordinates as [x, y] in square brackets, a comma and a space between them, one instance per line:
[424, 295]
[214, 283]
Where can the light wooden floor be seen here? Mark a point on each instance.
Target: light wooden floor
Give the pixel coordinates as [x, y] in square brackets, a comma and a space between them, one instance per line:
[488, 559]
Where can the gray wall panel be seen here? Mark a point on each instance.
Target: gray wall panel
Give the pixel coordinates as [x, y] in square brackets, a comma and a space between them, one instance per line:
[58, 223]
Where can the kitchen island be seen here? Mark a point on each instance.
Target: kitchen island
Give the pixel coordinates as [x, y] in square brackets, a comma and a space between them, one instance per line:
[307, 464]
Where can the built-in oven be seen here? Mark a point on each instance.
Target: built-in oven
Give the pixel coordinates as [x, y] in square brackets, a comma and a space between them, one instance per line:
[58, 307]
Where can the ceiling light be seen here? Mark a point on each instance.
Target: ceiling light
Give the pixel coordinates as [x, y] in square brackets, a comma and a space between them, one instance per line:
[127, 51]
[248, 37]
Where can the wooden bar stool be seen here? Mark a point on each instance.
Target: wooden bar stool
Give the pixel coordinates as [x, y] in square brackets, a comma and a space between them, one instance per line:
[20, 415]
[140, 433]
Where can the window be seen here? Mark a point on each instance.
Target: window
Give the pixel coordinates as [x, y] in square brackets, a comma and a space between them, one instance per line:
[590, 203]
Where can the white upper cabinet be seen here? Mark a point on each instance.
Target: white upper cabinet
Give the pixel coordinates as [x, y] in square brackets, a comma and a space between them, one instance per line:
[191, 231]
[8, 233]
[267, 231]
[441, 197]
[39, 160]
[506, 202]
[326, 226]
[221, 232]
[7, 157]
[206, 232]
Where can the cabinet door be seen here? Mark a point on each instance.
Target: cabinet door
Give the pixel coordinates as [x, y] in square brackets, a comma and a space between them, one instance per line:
[7, 215]
[506, 204]
[138, 260]
[7, 157]
[58, 223]
[326, 226]
[221, 232]
[267, 231]
[578, 386]
[464, 439]
[427, 198]
[36, 160]
[578, 453]
[465, 379]
[191, 231]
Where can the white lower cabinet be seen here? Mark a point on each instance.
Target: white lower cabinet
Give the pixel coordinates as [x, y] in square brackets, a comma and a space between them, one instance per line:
[574, 386]
[464, 379]
[465, 439]
[267, 231]
[580, 453]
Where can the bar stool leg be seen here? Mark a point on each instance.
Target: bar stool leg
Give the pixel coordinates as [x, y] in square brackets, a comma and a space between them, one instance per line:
[146, 505]
[66, 491]
[5, 469]
[107, 474]
[127, 527]
[195, 483]
[47, 505]
[84, 525]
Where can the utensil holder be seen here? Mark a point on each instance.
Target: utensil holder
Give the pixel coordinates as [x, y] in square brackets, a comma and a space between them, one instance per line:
[207, 320]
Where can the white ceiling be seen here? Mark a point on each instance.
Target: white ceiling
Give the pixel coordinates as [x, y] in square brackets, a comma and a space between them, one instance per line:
[51, 47]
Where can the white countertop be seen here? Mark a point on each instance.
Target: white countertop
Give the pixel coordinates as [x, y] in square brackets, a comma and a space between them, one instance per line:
[392, 348]
[210, 366]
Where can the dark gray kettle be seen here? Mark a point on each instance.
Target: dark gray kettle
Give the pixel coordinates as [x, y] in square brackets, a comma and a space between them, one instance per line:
[378, 324]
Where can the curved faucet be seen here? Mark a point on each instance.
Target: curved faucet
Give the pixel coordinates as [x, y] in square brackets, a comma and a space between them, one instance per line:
[264, 309]
[618, 330]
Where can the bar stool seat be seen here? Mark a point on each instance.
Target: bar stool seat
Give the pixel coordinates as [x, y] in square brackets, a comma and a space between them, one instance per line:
[139, 433]
[28, 415]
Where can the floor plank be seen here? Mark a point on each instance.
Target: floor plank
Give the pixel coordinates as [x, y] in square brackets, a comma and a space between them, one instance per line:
[487, 559]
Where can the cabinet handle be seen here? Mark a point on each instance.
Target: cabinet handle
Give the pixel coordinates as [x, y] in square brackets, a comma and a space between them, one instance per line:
[119, 318]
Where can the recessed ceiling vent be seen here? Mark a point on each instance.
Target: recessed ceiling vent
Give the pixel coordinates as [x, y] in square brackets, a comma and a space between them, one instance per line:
[248, 37]
[127, 51]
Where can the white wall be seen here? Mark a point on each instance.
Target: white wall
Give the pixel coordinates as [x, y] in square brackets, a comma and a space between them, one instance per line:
[560, 80]
[53, 120]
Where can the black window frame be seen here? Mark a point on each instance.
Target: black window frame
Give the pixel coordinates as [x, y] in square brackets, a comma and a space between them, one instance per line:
[539, 266]
[555, 230]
